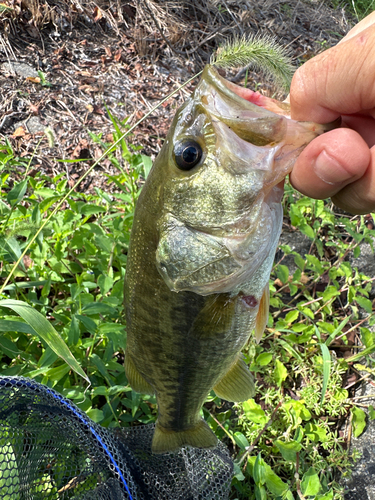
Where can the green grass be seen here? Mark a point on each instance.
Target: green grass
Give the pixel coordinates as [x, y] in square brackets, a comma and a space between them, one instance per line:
[73, 275]
[360, 8]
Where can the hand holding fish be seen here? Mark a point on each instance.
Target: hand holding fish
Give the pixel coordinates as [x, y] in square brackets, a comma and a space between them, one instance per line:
[339, 83]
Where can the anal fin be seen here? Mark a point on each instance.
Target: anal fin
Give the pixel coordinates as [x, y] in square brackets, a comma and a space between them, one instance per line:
[262, 316]
[135, 379]
[199, 436]
[237, 384]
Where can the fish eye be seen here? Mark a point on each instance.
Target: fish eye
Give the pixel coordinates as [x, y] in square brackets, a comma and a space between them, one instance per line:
[187, 154]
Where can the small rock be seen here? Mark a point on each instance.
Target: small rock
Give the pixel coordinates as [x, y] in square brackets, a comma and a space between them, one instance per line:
[33, 125]
[21, 69]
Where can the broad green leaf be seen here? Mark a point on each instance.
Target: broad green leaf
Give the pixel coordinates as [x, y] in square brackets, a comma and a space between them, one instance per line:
[288, 450]
[330, 292]
[241, 440]
[101, 367]
[95, 414]
[359, 421]
[280, 373]
[307, 230]
[259, 471]
[316, 433]
[260, 492]
[365, 303]
[105, 283]
[7, 325]
[91, 209]
[46, 204]
[8, 347]
[254, 412]
[300, 262]
[371, 412]
[47, 358]
[326, 496]
[98, 308]
[16, 194]
[282, 273]
[46, 332]
[310, 484]
[367, 337]
[263, 359]
[147, 165]
[274, 483]
[237, 472]
[307, 312]
[73, 334]
[292, 316]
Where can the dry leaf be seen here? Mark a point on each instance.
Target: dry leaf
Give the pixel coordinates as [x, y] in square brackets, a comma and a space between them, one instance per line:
[118, 55]
[34, 109]
[97, 14]
[27, 261]
[33, 79]
[19, 132]
[108, 51]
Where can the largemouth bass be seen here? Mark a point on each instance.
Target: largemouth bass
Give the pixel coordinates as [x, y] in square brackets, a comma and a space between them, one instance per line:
[205, 231]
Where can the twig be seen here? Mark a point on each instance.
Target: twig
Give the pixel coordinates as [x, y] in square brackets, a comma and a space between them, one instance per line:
[176, 51]
[255, 442]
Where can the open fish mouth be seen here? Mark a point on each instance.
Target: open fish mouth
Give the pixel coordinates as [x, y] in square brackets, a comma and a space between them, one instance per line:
[250, 149]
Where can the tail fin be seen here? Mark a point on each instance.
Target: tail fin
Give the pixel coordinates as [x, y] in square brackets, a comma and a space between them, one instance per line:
[199, 436]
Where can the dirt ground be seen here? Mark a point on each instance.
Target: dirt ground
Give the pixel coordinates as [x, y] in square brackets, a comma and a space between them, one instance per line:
[127, 56]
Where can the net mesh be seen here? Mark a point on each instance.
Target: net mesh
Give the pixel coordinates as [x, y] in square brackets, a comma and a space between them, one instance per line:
[50, 449]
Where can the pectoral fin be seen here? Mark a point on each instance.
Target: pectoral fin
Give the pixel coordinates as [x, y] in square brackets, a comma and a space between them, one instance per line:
[262, 316]
[237, 384]
[199, 436]
[135, 379]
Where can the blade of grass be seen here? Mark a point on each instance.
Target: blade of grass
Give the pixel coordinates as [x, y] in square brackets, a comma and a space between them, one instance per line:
[326, 369]
[58, 206]
[46, 332]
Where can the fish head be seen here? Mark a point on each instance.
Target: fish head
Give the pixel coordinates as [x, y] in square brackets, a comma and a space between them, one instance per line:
[218, 178]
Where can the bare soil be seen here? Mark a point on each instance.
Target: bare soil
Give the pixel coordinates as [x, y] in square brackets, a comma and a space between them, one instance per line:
[127, 56]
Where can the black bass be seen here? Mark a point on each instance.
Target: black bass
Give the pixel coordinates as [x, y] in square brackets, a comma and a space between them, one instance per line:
[205, 231]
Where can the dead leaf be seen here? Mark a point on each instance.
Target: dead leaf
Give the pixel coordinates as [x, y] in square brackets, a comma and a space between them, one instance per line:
[98, 110]
[27, 261]
[97, 14]
[33, 79]
[118, 54]
[19, 132]
[108, 51]
[34, 109]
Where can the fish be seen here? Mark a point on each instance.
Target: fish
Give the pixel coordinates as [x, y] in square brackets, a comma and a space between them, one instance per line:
[205, 231]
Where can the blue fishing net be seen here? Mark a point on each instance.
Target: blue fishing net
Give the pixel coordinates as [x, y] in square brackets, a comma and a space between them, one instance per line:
[50, 449]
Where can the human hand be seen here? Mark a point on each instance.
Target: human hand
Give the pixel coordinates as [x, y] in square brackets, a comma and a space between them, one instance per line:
[339, 82]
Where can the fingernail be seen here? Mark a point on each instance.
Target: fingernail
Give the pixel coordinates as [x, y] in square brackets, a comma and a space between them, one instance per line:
[329, 170]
